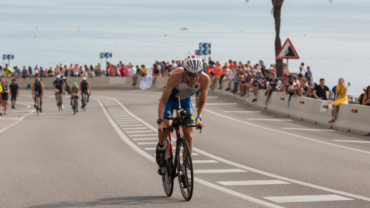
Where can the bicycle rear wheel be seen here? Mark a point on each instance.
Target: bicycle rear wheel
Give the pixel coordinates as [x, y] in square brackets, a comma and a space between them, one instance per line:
[185, 169]
[167, 178]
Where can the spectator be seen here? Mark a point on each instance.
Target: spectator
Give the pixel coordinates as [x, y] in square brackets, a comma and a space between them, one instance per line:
[14, 92]
[143, 70]
[17, 71]
[24, 72]
[273, 87]
[230, 77]
[4, 95]
[308, 72]
[304, 87]
[301, 71]
[50, 72]
[340, 98]
[283, 89]
[133, 75]
[294, 79]
[7, 71]
[122, 69]
[298, 91]
[1, 73]
[36, 72]
[1, 90]
[366, 99]
[260, 85]
[302, 65]
[320, 91]
[30, 71]
[156, 73]
[237, 77]
[311, 86]
[98, 71]
[210, 62]
[360, 98]
[224, 72]
[285, 69]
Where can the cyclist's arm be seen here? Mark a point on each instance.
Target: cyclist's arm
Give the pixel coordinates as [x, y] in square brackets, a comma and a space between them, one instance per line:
[32, 89]
[42, 89]
[171, 83]
[62, 88]
[88, 84]
[204, 92]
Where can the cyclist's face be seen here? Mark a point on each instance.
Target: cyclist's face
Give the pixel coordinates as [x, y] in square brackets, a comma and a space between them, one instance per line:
[191, 80]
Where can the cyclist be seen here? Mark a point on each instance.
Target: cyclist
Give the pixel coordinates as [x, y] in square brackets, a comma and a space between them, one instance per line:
[65, 84]
[74, 93]
[38, 88]
[85, 87]
[182, 83]
[58, 87]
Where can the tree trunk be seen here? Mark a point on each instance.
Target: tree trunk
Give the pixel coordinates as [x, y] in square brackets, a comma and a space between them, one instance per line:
[277, 4]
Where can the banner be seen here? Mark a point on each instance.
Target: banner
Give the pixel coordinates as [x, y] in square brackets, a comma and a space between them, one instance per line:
[146, 82]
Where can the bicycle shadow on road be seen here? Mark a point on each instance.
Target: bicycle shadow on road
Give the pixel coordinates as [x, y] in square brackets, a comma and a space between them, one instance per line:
[124, 201]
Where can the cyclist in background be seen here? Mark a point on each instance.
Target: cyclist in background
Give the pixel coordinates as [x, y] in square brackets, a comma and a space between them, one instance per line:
[182, 83]
[58, 87]
[74, 92]
[85, 87]
[65, 84]
[38, 88]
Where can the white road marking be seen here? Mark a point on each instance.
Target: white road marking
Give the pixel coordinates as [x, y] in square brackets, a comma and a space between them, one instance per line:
[121, 116]
[132, 132]
[147, 143]
[220, 171]
[132, 125]
[221, 104]
[212, 96]
[268, 119]
[141, 135]
[143, 139]
[241, 111]
[10, 118]
[290, 134]
[127, 122]
[220, 188]
[18, 120]
[308, 198]
[252, 182]
[352, 141]
[125, 119]
[304, 129]
[134, 128]
[204, 161]
[18, 111]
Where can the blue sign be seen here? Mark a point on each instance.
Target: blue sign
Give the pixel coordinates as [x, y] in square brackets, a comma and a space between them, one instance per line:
[205, 48]
[105, 55]
[8, 56]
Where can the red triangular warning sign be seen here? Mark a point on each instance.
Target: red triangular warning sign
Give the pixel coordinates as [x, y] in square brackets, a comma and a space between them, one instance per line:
[287, 51]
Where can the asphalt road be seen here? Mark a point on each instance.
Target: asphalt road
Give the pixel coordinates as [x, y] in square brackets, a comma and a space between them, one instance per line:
[104, 157]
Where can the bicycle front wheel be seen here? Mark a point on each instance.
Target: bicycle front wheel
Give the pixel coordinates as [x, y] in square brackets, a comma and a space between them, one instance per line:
[185, 169]
[167, 177]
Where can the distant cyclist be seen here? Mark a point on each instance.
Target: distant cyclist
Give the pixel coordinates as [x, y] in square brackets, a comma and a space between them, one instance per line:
[182, 83]
[74, 92]
[85, 87]
[38, 88]
[58, 87]
[66, 87]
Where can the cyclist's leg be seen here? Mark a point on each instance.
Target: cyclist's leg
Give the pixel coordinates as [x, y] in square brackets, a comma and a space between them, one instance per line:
[168, 111]
[77, 101]
[61, 96]
[34, 98]
[188, 131]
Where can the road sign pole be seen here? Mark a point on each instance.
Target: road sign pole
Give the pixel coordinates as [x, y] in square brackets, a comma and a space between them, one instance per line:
[287, 63]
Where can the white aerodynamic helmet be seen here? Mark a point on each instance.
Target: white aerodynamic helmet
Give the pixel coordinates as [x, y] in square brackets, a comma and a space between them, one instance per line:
[84, 79]
[193, 66]
[58, 76]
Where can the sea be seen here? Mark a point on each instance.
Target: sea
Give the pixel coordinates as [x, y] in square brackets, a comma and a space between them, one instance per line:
[332, 37]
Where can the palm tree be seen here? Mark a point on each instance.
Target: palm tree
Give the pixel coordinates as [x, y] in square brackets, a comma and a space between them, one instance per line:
[276, 11]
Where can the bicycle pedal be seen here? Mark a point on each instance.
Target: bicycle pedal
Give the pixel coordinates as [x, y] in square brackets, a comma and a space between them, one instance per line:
[160, 172]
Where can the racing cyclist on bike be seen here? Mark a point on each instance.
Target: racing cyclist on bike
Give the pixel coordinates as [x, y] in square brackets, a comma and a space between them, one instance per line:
[37, 88]
[74, 92]
[182, 83]
[58, 86]
[85, 87]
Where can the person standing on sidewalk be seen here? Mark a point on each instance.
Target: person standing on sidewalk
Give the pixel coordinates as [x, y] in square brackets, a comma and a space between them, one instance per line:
[5, 95]
[14, 92]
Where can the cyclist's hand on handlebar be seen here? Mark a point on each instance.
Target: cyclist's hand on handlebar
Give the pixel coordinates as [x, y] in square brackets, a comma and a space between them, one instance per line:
[161, 126]
[199, 124]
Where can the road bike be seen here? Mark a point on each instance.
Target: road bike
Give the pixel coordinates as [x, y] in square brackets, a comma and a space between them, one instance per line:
[59, 101]
[74, 104]
[183, 165]
[84, 100]
[37, 103]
